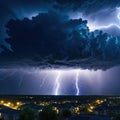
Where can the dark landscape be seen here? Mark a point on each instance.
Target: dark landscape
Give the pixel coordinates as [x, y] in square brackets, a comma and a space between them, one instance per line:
[15, 107]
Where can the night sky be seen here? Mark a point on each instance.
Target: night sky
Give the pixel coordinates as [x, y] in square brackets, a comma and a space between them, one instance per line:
[60, 47]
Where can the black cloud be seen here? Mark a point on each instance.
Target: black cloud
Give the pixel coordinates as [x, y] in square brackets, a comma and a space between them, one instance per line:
[18, 9]
[53, 40]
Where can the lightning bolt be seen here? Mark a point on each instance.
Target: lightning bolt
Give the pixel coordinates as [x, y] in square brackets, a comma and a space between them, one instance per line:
[76, 83]
[108, 26]
[95, 26]
[118, 11]
[21, 79]
[43, 81]
[57, 83]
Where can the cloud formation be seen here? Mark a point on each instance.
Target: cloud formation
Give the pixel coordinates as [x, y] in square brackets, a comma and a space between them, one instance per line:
[92, 10]
[53, 40]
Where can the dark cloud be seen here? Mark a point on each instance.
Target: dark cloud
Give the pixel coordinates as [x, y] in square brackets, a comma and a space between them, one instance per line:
[18, 9]
[99, 13]
[47, 42]
[85, 6]
[53, 39]
[27, 8]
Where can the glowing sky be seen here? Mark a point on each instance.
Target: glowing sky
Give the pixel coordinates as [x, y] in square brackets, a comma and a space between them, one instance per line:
[59, 81]
[106, 19]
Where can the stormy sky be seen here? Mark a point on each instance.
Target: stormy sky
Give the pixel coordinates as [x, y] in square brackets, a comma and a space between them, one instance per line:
[59, 34]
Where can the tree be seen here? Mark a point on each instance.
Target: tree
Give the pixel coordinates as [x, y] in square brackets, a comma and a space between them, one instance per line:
[27, 114]
[66, 113]
[48, 114]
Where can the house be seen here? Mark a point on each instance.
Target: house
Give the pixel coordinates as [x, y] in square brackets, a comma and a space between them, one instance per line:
[32, 106]
[106, 110]
[7, 113]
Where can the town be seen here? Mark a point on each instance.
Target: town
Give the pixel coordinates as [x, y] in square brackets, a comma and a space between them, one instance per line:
[63, 107]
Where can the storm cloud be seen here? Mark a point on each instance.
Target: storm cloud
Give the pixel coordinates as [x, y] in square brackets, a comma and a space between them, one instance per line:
[55, 38]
